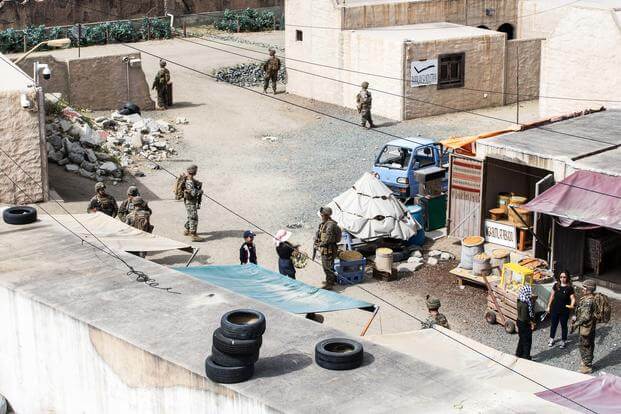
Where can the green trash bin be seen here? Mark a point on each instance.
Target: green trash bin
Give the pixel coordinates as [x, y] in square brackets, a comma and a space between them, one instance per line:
[435, 211]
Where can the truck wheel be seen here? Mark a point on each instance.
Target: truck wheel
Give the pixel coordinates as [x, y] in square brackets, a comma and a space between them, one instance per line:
[19, 215]
[490, 317]
[510, 327]
[227, 375]
[243, 324]
[235, 346]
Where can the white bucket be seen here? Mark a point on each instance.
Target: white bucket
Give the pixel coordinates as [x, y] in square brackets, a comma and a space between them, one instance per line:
[383, 260]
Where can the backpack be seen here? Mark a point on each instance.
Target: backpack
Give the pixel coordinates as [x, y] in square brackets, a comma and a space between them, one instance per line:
[179, 189]
[339, 233]
[141, 221]
[602, 308]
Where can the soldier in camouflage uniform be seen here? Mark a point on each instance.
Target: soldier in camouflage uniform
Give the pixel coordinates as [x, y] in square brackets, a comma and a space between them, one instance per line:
[160, 84]
[192, 196]
[585, 321]
[271, 68]
[435, 317]
[326, 239]
[127, 205]
[363, 102]
[102, 202]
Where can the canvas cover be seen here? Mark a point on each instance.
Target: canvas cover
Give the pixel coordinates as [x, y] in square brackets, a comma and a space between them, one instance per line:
[369, 210]
[583, 197]
[274, 289]
[117, 235]
[601, 395]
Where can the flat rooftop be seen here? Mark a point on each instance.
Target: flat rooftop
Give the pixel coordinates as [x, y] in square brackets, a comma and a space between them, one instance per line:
[567, 139]
[46, 264]
[425, 32]
[608, 162]
[12, 78]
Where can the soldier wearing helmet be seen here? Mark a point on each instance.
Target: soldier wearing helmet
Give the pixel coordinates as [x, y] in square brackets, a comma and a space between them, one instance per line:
[190, 190]
[102, 202]
[127, 205]
[160, 84]
[363, 103]
[585, 321]
[435, 317]
[271, 68]
[326, 240]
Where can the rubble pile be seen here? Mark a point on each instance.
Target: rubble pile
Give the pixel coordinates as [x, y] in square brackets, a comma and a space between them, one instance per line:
[247, 74]
[100, 149]
[416, 261]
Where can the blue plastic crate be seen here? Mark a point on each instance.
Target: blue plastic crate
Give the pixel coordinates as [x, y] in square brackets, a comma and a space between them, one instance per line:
[350, 272]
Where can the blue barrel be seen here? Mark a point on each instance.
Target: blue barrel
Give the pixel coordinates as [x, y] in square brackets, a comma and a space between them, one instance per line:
[417, 214]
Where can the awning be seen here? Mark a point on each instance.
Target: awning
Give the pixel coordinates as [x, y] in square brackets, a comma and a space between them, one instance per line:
[118, 235]
[584, 196]
[274, 289]
[600, 395]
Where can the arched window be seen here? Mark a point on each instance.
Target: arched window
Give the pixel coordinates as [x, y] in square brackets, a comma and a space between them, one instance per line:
[508, 29]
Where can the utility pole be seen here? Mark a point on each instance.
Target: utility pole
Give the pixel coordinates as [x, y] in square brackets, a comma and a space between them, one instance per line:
[517, 82]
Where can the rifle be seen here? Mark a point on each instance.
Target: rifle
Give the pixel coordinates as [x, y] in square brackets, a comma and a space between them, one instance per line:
[315, 244]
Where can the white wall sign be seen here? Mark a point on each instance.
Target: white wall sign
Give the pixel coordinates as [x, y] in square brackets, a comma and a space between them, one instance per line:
[500, 233]
[424, 72]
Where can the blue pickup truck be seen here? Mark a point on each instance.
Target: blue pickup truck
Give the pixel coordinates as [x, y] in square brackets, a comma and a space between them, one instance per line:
[398, 161]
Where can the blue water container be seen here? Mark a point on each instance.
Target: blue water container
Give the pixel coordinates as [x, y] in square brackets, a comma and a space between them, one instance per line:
[417, 214]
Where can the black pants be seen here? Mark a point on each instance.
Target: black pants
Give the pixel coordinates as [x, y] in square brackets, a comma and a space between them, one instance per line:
[525, 341]
[555, 319]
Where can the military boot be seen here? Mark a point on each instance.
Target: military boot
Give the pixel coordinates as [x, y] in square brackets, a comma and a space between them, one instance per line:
[584, 369]
[196, 237]
[327, 286]
[186, 232]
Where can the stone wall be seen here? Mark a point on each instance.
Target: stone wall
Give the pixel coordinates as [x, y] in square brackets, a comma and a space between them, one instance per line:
[98, 83]
[68, 12]
[484, 71]
[529, 53]
[471, 13]
[21, 139]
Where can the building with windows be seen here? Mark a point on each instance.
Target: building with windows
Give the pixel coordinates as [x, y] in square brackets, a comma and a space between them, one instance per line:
[421, 58]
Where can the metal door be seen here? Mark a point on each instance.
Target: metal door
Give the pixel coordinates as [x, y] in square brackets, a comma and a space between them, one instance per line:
[465, 196]
[543, 223]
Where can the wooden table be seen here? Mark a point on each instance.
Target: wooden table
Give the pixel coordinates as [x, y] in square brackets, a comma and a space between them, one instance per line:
[468, 276]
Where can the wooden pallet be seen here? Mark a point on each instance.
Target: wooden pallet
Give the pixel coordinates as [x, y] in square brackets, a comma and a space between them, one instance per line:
[507, 301]
[468, 276]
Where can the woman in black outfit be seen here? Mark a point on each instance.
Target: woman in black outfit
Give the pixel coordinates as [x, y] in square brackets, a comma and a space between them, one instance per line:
[562, 301]
[285, 250]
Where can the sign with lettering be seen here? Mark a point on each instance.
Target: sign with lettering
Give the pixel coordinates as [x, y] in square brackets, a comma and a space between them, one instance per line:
[424, 72]
[500, 233]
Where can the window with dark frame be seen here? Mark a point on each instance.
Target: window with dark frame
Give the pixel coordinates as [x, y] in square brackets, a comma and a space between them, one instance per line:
[451, 70]
[299, 36]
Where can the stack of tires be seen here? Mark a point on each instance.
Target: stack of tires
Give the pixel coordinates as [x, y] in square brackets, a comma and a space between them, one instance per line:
[235, 347]
[339, 354]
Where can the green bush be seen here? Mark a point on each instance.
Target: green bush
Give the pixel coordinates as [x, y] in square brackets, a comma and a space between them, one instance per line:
[34, 35]
[123, 32]
[11, 41]
[155, 29]
[96, 35]
[248, 20]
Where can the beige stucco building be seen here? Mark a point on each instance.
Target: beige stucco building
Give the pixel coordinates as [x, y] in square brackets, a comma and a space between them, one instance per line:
[23, 157]
[421, 58]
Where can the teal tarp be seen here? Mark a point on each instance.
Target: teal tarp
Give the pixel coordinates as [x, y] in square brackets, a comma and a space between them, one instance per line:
[274, 289]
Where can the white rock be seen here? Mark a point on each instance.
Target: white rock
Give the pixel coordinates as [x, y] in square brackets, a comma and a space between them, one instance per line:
[90, 137]
[160, 145]
[136, 141]
[181, 121]
[417, 253]
[109, 167]
[432, 261]
[414, 259]
[409, 267]
[65, 125]
[446, 256]
[72, 167]
[270, 139]
[165, 126]
[435, 253]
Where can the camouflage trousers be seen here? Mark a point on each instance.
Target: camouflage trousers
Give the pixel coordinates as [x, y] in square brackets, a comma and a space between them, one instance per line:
[327, 262]
[162, 98]
[270, 77]
[587, 346]
[365, 116]
[192, 210]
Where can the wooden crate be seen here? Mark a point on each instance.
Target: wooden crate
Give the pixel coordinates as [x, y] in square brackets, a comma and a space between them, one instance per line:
[507, 300]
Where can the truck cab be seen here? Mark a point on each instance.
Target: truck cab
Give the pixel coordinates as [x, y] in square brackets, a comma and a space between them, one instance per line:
[398, 161]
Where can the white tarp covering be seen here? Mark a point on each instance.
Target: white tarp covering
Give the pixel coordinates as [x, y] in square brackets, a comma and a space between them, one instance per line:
[369, 210]
[117, 235]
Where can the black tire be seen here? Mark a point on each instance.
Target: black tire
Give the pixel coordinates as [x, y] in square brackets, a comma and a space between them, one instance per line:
[243, 324]
[339, 351]
[235, 346]
[227, 375]
[490, 317]
[339, 366]
[228, 360]
[19, 215]
[510, 327]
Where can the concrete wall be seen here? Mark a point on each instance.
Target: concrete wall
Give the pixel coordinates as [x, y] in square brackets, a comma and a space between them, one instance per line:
[466, 12]
[22, 139]
[95, 83]
[485, 58]
[53, 363]
[529, 53]
[63, 13]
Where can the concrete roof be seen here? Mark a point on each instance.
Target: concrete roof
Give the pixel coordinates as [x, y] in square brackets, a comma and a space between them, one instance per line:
[74, 279]
[564, 139]
[11, 77]
[425, 32]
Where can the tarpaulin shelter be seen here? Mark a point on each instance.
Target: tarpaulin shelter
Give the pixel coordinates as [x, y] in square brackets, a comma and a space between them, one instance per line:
[584, 196]
[275, 289]
[369, 211]
[601, 395]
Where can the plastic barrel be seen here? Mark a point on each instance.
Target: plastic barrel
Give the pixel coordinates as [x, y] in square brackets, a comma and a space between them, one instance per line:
[470, 246]
[383, 259]
[417, 213]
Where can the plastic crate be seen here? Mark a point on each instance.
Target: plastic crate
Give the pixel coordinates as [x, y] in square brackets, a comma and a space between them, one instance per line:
[349, 272]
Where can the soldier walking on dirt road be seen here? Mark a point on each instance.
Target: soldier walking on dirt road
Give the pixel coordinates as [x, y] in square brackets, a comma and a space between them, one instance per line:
[160, 84]
[190, 190]
[363, 103]
[585, 321]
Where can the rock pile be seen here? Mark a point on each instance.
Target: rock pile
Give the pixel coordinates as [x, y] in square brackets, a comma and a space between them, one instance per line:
[100, 149]
[247, 74]
[416, 261]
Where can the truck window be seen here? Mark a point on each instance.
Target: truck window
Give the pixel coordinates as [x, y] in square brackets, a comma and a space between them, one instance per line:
[424, 157]
[395, 157]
